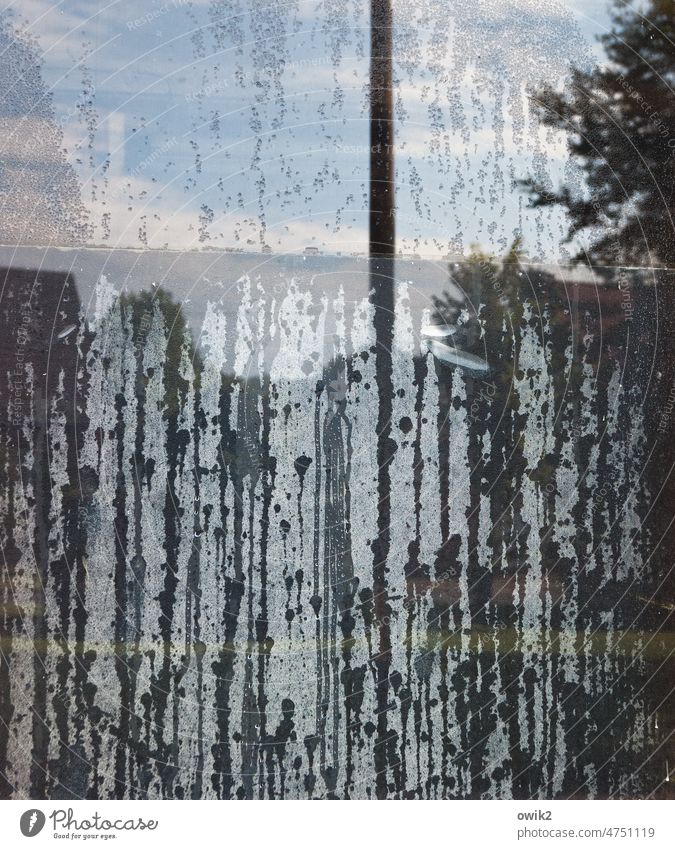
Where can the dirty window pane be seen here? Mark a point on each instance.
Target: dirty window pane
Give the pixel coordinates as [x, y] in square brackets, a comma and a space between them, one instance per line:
[282, 521]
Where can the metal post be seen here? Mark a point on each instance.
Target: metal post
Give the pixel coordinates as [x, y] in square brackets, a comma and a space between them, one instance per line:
[382, 233]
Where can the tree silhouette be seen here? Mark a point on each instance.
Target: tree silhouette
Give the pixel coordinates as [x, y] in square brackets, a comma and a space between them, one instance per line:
[620, 123]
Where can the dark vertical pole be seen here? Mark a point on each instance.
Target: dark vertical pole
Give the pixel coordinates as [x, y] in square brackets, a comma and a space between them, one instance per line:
[382, 211]
[382, 233]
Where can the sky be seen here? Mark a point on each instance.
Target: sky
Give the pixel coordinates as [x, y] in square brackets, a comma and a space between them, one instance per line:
[241, 123]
